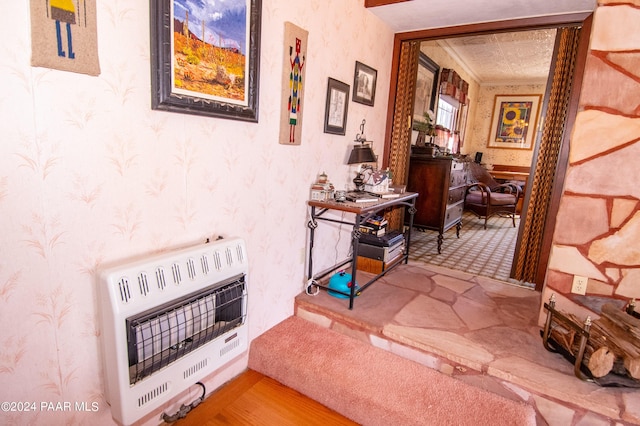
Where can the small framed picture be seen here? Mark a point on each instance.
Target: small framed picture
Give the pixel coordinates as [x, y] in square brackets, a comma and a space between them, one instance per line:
[364, 84]
[335, 112]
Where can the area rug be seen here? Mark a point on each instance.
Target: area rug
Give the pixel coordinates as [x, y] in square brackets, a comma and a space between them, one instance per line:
[486, 252]
[372, 386]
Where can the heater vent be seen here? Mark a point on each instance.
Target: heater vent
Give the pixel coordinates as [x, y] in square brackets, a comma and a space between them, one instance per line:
[191, 269]
[169, 320]
[125, 292]
[240, 253]
[160, 336]
[225, 349]
[204, 261]
[143, 283]
[153, 394]
[217, 260]
[160, 279]
[177, 277]
[195, 368]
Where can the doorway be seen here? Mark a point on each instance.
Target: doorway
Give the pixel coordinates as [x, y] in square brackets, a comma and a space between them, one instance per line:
[397, 146]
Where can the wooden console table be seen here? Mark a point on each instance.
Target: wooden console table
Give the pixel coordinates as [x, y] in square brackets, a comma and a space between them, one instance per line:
[362, 212]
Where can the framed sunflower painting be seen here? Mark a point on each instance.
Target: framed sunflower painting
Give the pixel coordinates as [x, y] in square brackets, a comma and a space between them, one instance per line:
[514, 121]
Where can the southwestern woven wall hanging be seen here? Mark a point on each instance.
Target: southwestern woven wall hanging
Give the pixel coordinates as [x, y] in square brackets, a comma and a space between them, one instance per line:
[295, 53]
[64, 35]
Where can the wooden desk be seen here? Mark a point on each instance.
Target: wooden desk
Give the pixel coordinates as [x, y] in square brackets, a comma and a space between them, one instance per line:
[362, 212]
[508, 175]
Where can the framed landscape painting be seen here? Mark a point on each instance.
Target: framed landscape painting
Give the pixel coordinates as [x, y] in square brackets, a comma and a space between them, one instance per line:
[513, 121]
[205, 57]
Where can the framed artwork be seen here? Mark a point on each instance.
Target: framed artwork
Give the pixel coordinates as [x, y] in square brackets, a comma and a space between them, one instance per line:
[205, 57]
[336, 108]
[462, 126]
[364, 84]
[513, 121]
[426, 87]
[293, 81]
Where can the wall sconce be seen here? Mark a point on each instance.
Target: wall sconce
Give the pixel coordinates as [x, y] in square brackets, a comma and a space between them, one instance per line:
[361, 153]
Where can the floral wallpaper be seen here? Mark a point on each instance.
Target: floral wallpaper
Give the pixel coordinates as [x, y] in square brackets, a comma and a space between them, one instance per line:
[89, 175]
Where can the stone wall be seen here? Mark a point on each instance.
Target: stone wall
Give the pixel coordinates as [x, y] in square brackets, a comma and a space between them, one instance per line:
[598, 225]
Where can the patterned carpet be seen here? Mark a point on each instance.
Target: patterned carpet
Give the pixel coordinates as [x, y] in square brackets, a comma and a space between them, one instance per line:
[487, 252]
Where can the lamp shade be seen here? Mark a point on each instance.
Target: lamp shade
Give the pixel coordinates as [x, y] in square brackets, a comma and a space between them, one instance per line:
[362, 153]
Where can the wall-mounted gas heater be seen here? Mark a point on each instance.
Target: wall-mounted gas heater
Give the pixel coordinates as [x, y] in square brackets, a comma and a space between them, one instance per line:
[168, 320]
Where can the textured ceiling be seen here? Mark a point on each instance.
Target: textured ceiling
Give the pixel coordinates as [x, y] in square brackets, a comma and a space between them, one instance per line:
[506, 58]
[517, 57]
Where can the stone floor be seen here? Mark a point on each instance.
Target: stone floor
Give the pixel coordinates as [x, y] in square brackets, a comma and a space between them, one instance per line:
[479, 330]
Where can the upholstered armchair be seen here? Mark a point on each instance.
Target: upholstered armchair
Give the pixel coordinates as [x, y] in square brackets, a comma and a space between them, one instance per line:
[485, 197]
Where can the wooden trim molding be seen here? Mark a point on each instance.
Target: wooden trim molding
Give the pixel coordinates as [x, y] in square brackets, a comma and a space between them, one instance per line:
[398, 91]
[374, 3]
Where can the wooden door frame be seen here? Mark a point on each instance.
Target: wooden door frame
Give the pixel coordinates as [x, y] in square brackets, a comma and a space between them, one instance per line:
[576, 19]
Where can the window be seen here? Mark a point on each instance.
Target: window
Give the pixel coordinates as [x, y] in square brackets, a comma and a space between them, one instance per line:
[447, 113]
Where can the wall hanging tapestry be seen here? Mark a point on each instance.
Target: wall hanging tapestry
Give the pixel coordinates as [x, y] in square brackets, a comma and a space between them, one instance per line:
[64, 35]
[294, 66]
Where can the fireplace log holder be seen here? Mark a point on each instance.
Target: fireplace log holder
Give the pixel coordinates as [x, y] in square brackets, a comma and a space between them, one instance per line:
[582, 331]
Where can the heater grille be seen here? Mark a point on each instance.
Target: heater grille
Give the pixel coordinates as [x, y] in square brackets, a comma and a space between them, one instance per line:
[161, 336]
[169, 320]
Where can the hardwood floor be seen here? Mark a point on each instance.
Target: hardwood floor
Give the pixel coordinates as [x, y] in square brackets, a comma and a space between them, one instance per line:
[255, 399]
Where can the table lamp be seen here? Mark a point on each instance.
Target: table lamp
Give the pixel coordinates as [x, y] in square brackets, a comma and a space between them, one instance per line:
[361, 153]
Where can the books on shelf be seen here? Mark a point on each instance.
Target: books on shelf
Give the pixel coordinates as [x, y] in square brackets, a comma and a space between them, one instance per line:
[370, 230]
[374, 225]
[376, 221]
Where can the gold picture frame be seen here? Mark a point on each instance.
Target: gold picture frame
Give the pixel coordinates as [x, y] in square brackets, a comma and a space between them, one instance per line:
[514, 121]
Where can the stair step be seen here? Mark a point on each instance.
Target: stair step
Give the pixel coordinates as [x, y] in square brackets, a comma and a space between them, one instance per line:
[372, 386]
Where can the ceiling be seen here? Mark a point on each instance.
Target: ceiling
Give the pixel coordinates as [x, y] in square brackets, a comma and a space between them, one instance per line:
[425, 14]
[522, 57]
[516, 57]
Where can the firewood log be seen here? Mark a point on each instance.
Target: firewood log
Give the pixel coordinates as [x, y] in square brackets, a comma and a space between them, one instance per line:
[618, 331]
[599, 362]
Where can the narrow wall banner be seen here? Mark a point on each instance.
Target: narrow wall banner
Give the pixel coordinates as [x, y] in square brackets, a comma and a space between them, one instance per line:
[64, 35]
[295, 53]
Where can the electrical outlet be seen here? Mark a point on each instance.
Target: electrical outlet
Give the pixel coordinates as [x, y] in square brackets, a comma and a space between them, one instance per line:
[579, 285]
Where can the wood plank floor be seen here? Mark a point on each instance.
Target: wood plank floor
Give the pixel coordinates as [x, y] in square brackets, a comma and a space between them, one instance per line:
[255, 399]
